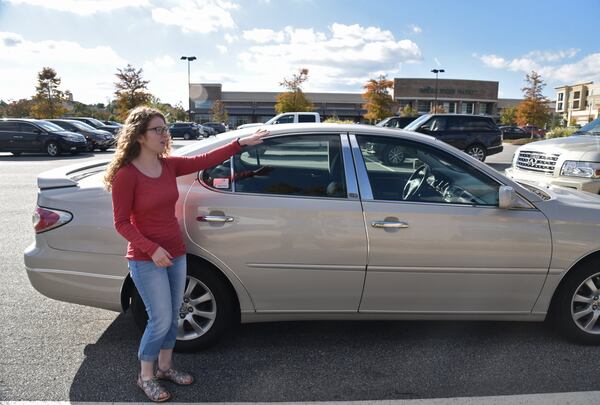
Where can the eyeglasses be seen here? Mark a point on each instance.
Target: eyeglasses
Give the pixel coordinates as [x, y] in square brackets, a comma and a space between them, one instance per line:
[159, 130]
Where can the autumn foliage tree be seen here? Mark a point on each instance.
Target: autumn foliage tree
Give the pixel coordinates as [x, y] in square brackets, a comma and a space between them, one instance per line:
[218, 112]
[132, 90]
[532, 110]
[49, 99]
[293, 99]
[508, 116]
[378, 99]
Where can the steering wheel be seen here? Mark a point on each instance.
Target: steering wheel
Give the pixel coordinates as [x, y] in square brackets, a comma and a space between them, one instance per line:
[415, 182]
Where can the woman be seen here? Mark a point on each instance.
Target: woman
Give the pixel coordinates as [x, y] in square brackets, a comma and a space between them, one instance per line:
[142, 178]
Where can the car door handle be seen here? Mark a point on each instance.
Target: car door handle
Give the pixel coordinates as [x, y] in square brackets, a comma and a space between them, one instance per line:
[214, 218]
[386, 224]
[17, 137]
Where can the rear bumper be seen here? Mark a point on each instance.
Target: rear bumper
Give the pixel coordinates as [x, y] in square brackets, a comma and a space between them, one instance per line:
[581, 184]
[66, 276]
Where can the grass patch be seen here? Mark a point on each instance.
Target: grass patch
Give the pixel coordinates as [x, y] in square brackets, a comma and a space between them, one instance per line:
[522, 141]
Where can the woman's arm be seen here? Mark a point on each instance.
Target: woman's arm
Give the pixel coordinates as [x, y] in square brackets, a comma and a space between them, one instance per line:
[123, 190]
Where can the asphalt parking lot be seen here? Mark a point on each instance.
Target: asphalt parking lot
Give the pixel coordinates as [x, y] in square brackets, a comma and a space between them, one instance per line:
[58, 351]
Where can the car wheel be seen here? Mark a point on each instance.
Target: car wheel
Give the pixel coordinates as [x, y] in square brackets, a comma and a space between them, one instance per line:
[576, 310]
[207, 311]
[52, 149]
[89, 148]
[393, 155]
[477, 151]
[187, 136]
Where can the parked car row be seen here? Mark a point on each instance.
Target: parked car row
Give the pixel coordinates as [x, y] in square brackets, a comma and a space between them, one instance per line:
[193, 130]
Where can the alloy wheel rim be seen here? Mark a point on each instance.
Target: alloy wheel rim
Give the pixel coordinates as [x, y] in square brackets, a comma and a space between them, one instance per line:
[477, 153]
[585, 305]
[395, 155]
[52, 149]
[198, 310]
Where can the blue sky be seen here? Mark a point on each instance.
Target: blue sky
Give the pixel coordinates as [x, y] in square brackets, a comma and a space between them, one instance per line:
[250, 45]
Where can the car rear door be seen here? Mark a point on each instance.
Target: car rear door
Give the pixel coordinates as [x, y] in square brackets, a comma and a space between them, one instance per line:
[447, 249]
[29, 137]
[290, 226]
[7, 131]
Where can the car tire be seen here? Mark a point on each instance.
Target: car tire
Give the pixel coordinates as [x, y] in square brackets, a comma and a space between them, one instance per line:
[393, 155]
[479, 152]
[52, 149]
[576, 305]
[207, 283]
[187, 136]
[89, 148]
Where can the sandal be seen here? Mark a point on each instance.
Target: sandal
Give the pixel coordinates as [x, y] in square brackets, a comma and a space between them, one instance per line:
[153, 390]
[178, 377]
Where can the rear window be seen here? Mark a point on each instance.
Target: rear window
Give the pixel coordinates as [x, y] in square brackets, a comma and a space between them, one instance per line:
[8, 126]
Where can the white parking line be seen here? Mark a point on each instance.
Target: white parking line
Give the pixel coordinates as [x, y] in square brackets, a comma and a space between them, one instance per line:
[564, 398]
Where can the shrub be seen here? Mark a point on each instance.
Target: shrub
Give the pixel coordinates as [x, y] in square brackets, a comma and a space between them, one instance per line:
[560, 132]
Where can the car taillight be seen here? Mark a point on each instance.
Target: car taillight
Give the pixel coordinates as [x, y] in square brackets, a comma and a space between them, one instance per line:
[45, 219]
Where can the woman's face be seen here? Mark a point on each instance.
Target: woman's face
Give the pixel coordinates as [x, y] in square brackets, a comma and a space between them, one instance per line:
[156, 137]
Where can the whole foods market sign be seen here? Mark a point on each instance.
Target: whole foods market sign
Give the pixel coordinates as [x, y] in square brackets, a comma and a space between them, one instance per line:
[449, 92]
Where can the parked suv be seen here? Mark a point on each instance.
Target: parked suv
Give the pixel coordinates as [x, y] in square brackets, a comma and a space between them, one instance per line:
[97, 138]
[217, 126]
[29, 135]
[186, 130]
[395, 122]
[572, 162]
[113, 129]
[478, 136]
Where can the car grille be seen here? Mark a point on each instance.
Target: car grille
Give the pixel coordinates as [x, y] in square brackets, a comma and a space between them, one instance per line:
[537, 161]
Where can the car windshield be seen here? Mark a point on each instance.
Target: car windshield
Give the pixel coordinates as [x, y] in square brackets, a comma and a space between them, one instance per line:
[382, 123]
[49, 126]
[592, 128]
[417, 123]
[82, 125]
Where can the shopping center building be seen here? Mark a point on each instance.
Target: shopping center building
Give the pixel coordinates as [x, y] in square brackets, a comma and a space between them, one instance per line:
[455, 96]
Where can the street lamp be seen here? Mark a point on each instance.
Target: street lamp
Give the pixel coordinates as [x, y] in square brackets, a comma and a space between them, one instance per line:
[189, 59]
[436, 71]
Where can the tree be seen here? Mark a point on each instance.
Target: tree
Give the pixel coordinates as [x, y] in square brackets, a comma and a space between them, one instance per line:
[379, 100]
[532, 110]
[219, 113]
[131, 92]
[408, 111]
[48, 101]
[509, 116]
[18, 108]
[172, 114]
[294, 99]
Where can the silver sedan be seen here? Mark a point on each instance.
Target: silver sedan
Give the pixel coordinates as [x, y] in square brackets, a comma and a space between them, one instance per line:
[316, 224]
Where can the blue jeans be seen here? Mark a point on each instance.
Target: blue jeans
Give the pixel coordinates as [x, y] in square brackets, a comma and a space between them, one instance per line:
[161, 289]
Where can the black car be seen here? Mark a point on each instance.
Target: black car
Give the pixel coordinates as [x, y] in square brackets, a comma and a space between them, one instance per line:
[186, 130]
[113, 123]
[208, 131]
[395, 122]
[113, 129]
[479, 136]
[513, 132]
[97, 138]
[29, 135]
[217, 126]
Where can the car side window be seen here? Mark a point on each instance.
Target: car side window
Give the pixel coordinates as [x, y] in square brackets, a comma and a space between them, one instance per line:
[299, 165]
[24, 127]
[455, 124]
[437, 124]
[402, 170]
[285, 119]
[8, 126]
[306, 118]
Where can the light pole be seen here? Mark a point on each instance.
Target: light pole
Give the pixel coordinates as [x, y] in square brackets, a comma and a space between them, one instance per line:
[189, 59]
[436, 71]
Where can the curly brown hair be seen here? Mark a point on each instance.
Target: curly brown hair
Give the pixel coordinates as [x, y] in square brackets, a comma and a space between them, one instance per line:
[128, 147]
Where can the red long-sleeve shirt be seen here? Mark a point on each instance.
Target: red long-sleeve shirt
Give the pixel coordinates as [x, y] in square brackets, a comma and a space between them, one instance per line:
[144, 207]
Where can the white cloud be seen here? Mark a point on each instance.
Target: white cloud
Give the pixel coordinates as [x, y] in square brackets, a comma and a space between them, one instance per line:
[222, 49]
[83, 70]
[586, 69]
[230, 39]
[416, 29]
[263, 36]
[345, 56]
[202, 16]
[82, 7]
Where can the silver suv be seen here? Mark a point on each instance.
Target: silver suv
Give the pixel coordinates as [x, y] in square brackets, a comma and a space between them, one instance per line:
[572, 162]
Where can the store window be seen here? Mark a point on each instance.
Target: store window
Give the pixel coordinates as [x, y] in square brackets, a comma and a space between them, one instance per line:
[466, 108]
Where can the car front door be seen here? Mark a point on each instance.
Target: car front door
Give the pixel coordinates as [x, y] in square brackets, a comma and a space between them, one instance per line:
[438, 243]
[29, 137]
[296, 237]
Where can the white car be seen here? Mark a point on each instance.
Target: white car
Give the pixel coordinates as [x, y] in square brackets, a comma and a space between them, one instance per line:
[571, 162]
[287, 118]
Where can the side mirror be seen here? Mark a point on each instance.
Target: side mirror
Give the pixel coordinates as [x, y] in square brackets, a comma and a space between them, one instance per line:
[506, 197]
